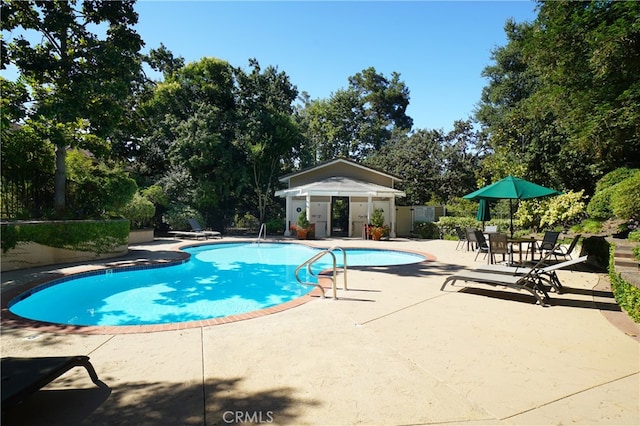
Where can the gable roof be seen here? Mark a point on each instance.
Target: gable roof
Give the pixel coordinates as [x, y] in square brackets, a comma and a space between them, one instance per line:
[339, 186]
[352, 163]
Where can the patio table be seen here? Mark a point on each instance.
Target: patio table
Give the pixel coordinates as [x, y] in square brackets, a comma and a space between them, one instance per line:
[532, 247]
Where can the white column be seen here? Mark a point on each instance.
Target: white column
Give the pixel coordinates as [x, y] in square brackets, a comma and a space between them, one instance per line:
[307, 206]
[392, 233]
[287, 220]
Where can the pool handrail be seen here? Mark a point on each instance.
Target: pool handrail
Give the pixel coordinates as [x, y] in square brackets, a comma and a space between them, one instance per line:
[263, 230]
[309, 262]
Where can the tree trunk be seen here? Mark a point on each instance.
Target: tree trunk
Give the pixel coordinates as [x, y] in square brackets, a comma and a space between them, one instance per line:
[59, 198]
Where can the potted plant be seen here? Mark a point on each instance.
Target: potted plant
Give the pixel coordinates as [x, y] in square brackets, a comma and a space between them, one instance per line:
[302, 227]
[377, 227]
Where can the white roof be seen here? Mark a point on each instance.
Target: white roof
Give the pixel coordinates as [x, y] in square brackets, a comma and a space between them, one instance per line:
[339, 186]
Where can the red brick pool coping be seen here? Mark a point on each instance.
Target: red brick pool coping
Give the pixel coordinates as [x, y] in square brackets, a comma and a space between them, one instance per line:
[9, 319]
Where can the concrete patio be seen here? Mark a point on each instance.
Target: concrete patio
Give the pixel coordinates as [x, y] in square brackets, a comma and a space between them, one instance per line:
[394, 350]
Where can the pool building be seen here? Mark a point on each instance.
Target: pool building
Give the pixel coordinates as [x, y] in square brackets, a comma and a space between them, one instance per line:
[339, 197]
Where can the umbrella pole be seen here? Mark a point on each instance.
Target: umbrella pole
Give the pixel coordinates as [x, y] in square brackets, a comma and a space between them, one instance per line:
[511, 215]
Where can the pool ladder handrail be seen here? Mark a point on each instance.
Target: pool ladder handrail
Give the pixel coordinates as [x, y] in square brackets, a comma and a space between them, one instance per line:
[263, 230]
[313, 259]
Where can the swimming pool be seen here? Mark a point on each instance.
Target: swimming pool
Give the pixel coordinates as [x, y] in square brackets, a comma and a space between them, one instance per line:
[218, 280]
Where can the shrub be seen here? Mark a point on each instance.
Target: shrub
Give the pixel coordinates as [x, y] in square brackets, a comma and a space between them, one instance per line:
[247, 220]
[627, 296]
[427, 230]
[178, 215]
[303, 222]
[625, 197]
[587, 226]
[614, 177]
[563, 209]
[599, 206]
[377, 218]
[85, 235]
[139, 211]
[447, 224]
[275, 226]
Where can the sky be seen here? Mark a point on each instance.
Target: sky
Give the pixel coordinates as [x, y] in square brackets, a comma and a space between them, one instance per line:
[439, 48]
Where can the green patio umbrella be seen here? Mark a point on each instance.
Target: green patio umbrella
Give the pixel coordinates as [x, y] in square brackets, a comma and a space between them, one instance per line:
[511, 188]
[484, 214]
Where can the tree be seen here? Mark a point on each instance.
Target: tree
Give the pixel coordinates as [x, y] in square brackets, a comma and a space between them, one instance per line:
[591, 77]
[78, 81]
[417, 159]
[195, 112]
[359, 120]
[266, 131]
[562, 101]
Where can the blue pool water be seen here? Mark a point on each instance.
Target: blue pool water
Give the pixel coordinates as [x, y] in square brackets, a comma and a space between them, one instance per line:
[219, 280]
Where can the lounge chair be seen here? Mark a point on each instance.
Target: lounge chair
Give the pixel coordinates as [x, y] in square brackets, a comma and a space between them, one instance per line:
[191, 234]
[522, 282]
[195, 225]
[531, 281]
[24, 376]
[547, 273]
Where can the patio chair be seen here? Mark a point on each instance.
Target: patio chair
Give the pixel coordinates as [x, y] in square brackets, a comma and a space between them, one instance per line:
[24, 376]
[560, 251]
[547, 244]
[482, 247]
[471, 239]
[528, 282]
[499, 244]
[195, 225]
[462, 238]
[547, 273]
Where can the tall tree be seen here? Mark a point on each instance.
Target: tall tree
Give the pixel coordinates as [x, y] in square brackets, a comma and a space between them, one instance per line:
[591, 76]
[562, 104]
[417, 159]
[78, 80]
[356, 121]
[266, 133]
[191, 130]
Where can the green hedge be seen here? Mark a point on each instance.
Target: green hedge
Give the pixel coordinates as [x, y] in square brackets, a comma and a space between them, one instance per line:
[427, 230]
[627, 296]
[97, 236]
[447, 225]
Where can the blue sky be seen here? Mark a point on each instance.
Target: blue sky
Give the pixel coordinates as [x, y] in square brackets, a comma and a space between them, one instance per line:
[439, 47]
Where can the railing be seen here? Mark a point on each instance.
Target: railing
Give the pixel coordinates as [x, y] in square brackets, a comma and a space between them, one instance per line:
[308, 263]
[262, 232]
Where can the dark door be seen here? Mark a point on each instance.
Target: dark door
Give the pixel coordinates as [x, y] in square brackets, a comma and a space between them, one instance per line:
[340, 216]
